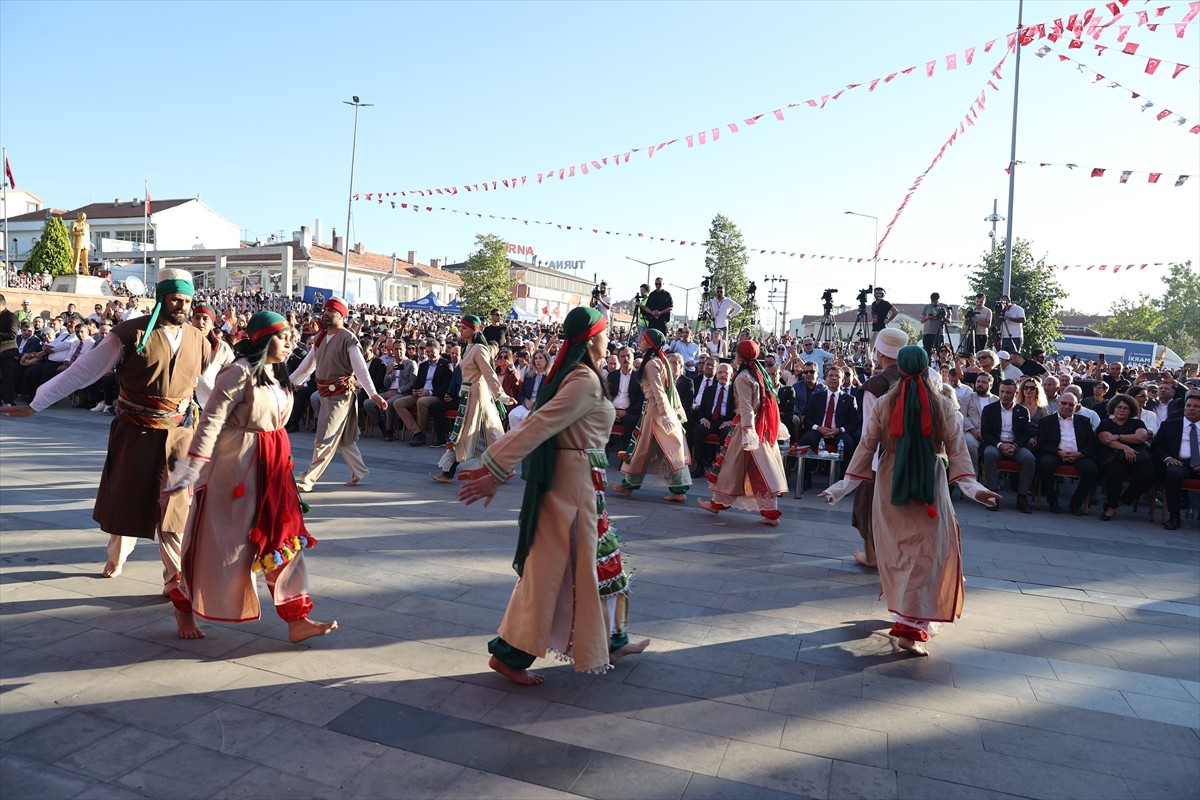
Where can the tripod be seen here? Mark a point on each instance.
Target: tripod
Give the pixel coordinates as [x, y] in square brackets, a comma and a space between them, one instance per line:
[860, 329]
[827, 330]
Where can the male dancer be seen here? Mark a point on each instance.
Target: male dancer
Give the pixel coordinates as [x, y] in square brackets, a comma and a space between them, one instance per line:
[338, 360]
[158, 359]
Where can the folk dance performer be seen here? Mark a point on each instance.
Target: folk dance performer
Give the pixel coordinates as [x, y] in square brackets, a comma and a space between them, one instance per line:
[158, 359]
[917, 544]
[204, 319]
[338, 360]
[246, 515]
[748, 472]
[478, 423]
[570, 598]
[658, 443]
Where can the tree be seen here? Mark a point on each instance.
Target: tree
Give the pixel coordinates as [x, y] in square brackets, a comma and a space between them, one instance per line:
[1180, 307]
[1033, 288]
[52, 253]
[486, 283]
[909, 331]
[725, 262]
[1139, 321]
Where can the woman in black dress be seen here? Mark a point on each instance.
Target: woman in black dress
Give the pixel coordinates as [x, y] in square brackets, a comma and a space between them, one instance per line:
[1128, 438]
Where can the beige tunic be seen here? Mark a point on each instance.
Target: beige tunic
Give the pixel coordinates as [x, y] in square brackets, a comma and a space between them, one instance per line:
[127, 502]
[217, 554]
[660, 427]
[749, 480]
[556, 605]
[919, 558]
[481, 417]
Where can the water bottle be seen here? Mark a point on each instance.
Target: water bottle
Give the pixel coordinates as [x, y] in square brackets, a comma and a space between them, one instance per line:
[821, 446]
[841, 449]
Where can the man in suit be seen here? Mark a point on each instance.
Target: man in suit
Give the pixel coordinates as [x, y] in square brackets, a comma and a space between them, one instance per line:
[625, 389]
[832, 415]
[714, 415]
[805, 388]
[1005, 428]
[448, 401]
[971, 406]
[1177, 448]
[1064, 438]
[428, 388]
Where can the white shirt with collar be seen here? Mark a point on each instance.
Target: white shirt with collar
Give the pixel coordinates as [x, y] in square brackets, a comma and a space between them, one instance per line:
[1185, 443]
[1066, 434]
[621, 401]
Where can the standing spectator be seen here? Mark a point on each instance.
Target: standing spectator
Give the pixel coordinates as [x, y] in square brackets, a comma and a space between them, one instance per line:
[658, 307]
[1011, 324]
[979, 320]
[882, 313]
[933, 318]
[721, 310]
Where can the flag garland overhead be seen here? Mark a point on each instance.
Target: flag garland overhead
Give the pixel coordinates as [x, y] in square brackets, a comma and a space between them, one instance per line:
[1123, 175]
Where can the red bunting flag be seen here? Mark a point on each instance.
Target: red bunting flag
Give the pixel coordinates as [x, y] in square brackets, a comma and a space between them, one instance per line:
[1097, 172]
[951, 61]
[1154, 176]
[1178, 69]
[1152, 65]
[1166, 112]
[929, 68]
[12, 184]
[969, 54]
[1130, 48]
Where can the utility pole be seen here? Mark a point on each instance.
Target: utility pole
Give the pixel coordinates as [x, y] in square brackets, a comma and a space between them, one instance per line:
[993, 218]
[648, 265]
[774, 279]
[1006, 283]
[354, 101]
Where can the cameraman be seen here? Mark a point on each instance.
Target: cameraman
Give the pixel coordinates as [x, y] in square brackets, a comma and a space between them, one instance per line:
[1012, 324]
[882, 312]
[934, 318]
[979, 320]
[602, 300]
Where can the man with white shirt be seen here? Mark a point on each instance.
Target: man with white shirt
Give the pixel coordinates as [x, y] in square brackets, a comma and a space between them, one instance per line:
[722, 309]
[625, 387]
[687, 348]
[131, 310]
[1064, 438]
[715, 408]
[54, 357]
[1177, 449]
[972, 406]
[1080, 409]
[1006, 431]
[1011, 323]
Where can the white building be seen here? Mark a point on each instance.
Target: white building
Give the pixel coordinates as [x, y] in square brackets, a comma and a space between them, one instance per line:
[122, 225]
[546, 293]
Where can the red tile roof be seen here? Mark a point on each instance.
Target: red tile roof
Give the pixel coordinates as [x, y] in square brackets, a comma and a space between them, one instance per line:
[97, 211]
[380, 263]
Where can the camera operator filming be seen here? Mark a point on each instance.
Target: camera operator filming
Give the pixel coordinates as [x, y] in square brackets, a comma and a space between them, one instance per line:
[602, 300]
[935, 318]
[720, 310]
[977, 319]
[882, 312]
[1011, 323]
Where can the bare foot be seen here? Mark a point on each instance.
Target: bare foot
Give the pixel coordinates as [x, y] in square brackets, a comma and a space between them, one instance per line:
[521, 676]
[708, 506]
[861, 558]
[301, 629]
[111, 570]
[676, 498]
[769, 521]
[355, 480]
[621, 488]
[630, 649]
[303, 489]
[188, 629]
[441, 477]
[916, 648]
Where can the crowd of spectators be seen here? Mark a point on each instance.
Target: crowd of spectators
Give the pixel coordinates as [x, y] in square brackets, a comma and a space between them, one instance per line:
[1018, 414]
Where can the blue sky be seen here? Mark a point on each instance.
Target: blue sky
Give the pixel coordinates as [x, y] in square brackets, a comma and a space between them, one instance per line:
[241, 103]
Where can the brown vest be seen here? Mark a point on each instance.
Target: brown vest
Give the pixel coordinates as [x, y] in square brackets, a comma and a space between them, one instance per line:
[333, 356]
[157, 371]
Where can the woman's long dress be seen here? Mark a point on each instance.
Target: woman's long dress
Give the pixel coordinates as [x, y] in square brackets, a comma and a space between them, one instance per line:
[478, 423]
[657, 447]
[750, 480]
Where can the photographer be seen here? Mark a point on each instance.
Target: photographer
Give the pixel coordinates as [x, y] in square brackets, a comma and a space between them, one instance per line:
[934, 318]
[640, 316]
[977, 322]
[1011, 323]
[882, 312]
[602, 300]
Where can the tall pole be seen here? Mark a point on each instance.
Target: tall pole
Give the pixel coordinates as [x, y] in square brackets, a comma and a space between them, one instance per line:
[875, 259]
[145, 229]
[993, 218]
[4, 153]
[1006, 283]
[687, 298]
[350, 199]
[773, 280]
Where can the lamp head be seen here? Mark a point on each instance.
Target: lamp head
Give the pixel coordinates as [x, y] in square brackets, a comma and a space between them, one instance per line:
[354, 98]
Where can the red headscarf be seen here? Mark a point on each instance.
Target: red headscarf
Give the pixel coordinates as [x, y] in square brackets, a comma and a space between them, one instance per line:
[767, 423]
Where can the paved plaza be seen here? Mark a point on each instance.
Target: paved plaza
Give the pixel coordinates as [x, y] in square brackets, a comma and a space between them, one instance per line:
[1074, 673]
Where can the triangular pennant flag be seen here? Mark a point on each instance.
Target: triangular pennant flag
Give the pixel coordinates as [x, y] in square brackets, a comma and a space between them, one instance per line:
[1097, 172]
[1154, 176]
[1152, 65]
[1178, 69]
[1125, 173]
[1181, 179]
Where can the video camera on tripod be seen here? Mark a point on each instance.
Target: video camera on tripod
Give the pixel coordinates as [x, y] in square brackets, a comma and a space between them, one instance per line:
[827, 299]
[863, 294]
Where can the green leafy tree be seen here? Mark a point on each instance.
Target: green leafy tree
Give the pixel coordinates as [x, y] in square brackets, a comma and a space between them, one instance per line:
[1180, 308]
[725, 261]
[486, 281]
[52, 253]
[1033, 288]
[1139, 321]
[909, 331]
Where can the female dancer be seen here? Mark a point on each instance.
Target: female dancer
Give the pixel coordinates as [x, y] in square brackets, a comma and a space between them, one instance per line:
[478, 423]
[556, 606]
[917, 545]
[246, 513]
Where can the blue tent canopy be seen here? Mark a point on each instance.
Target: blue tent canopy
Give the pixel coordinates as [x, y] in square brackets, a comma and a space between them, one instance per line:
[426, 303]
[521, 315]
[453, 307]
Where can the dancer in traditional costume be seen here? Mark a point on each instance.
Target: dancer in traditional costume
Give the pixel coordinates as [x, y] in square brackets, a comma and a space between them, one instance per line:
[338, 360]
[478, 423]
[570, 598]
[748, 472]
[917, 544]
[158, 359]
[246, 516]
[658, 445]
[204, 319]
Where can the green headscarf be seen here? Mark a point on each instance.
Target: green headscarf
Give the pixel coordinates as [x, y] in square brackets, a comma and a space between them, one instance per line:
[652, 344]
[476, 323]
[580, 325]
[912, 426]
[170, 281]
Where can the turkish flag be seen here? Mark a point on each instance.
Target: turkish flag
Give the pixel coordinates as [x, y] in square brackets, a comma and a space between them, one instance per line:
[1154, 176]
[1125, 173]
[1152, 65]
[1097, 172]
[1074, 44]
[1178, 69]
[970, 54]
[1130, 48]
[951, 61]
[8, 174]
[929, 68]
[1166, 112]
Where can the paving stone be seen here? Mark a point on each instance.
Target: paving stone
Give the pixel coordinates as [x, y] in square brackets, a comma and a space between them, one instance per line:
[549, 763]
[705, 787]
[31, 779]
[860, 782]
[783, 770]
[203, 772]
[118, 752]
[262, 782]
[617, 778]
[722, 719]
[473, 783]
[831, 740]
[60, 737]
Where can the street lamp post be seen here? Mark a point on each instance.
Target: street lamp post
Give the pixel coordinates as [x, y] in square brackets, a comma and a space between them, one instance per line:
[875, 252]
[648, 265]
[353, 101]
[687, 294]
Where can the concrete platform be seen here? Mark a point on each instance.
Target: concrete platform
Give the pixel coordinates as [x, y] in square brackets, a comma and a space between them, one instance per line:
[1074, 673]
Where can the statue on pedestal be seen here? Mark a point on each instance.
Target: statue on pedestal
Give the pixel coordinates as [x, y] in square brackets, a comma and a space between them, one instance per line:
[80, 240]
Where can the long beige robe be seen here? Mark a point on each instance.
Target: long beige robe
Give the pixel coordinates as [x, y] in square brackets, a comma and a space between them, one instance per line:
[660, 441]
[481, 417]
[748, 479]
[217, 554]
[919, 558]
[556, 604]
